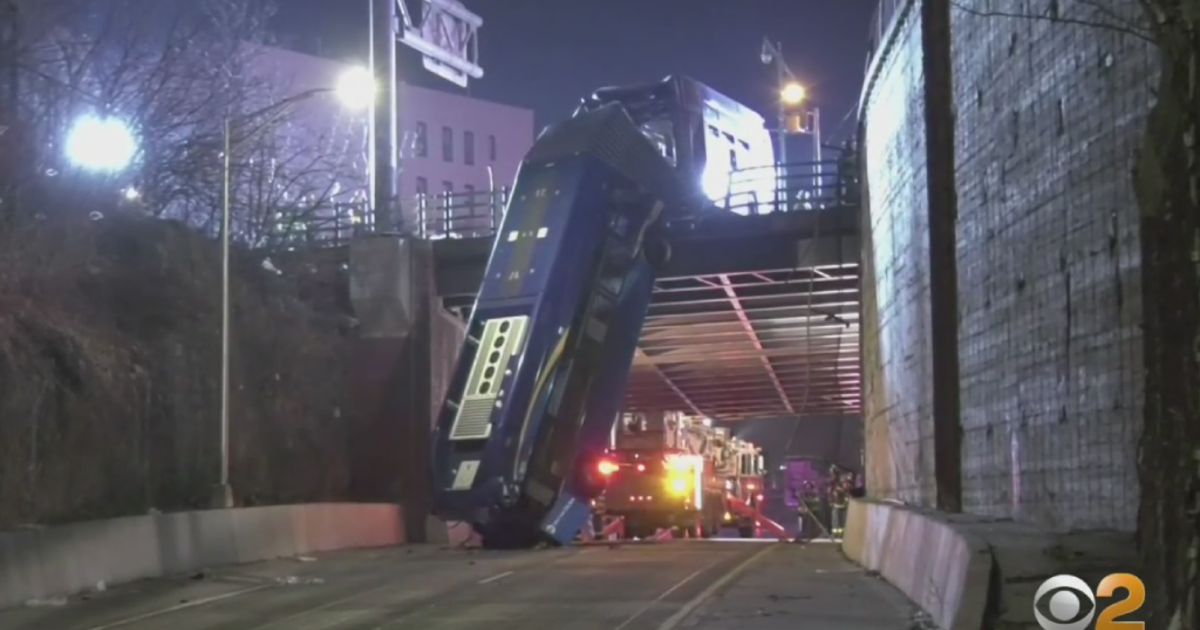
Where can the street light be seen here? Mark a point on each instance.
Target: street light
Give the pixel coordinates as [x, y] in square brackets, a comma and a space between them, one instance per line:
[793, 93]
[356, 90]
[101, 143]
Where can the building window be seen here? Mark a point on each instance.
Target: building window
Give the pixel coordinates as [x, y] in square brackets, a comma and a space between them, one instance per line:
[421, 142]
[447, 144]
[469, 195]
[447, 187]
[468, 147]
[422, 186]
[492, 148]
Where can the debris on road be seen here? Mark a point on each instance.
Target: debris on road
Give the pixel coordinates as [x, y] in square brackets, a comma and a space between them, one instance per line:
[46, 602]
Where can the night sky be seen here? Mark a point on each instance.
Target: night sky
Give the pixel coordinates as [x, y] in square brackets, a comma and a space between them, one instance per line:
[546, 54]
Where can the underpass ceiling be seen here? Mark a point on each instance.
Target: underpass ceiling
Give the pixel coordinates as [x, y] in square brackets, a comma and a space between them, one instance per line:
[747, 345]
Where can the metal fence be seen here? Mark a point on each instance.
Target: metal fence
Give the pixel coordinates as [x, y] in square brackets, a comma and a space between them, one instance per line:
[794, 187]
[468, 214]
[798, 187]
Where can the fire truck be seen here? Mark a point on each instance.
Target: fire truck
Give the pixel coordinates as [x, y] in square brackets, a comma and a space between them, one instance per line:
[669, 471]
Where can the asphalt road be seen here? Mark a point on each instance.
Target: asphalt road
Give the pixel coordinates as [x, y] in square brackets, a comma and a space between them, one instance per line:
[682, 584]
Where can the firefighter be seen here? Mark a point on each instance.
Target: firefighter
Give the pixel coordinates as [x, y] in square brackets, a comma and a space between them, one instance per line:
[839, 498]
[810, 506]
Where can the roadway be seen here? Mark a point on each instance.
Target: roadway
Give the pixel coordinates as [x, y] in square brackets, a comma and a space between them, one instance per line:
[699, 585]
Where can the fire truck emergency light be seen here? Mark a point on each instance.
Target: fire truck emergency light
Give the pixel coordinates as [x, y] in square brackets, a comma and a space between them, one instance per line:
[607, 467]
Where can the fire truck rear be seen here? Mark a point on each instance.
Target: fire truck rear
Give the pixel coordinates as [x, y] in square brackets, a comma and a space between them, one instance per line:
[744, 487]
[666, 470]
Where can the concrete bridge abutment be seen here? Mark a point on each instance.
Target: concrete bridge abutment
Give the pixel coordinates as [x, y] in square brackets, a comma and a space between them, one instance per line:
[401, 361]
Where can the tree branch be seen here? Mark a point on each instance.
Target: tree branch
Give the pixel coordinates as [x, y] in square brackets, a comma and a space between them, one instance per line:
[1118, 25]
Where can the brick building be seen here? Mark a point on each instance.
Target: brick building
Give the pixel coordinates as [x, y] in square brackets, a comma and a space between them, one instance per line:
[1038, 328]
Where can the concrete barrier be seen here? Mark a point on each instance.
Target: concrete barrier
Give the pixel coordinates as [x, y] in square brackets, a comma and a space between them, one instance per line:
[72, 558]
[942, 568]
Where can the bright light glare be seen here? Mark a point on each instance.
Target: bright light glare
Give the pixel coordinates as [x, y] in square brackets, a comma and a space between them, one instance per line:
[101, 144]
[356, 88]
[679, 485]
[132, 194]
[680, 463]
[793, 94]
[607, 468]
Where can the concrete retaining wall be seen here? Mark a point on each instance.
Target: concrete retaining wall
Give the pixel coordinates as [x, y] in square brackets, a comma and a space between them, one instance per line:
[942, 568]
[72, 558]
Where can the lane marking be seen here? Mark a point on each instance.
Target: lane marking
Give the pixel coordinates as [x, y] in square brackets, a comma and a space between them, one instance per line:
[682, 613]
[665, 594]
[192, 604]
[500, 576]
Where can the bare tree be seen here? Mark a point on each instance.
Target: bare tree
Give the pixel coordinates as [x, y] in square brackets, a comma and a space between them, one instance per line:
[1167, 180]
[174, 71]
[107, 335]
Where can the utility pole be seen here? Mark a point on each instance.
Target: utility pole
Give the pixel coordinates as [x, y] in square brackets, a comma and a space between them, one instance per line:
[781, 72]
[772, 53]
[385, 154]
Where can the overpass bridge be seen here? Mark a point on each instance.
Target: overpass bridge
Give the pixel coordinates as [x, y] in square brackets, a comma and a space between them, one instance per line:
[755, 315]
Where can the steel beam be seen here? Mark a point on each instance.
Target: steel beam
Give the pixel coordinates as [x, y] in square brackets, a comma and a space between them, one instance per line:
[640, 355]
[461, 262]
[750, 332]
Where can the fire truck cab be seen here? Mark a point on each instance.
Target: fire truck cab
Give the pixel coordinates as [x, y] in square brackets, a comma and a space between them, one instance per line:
[666, 470]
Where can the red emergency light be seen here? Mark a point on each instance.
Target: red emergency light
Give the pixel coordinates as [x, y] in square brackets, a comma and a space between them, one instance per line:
[749, 486]
[607, 467]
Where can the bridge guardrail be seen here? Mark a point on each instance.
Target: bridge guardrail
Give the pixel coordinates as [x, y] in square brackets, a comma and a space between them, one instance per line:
[795, 187]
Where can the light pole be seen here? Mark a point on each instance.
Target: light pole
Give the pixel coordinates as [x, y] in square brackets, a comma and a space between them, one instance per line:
[792, 96]
[772, 53]
[355, 90]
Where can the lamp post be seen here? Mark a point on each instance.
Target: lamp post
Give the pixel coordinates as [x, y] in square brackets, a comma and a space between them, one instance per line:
[772, 53]
[355, 90]
[792, 96]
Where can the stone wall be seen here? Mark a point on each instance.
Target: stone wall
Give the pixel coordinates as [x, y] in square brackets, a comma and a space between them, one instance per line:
[1048, 117]
[896, 334]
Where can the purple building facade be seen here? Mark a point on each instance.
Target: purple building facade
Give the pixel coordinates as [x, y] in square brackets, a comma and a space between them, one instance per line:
[449, 143]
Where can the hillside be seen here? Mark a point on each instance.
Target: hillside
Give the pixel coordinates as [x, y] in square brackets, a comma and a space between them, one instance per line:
[110, 372]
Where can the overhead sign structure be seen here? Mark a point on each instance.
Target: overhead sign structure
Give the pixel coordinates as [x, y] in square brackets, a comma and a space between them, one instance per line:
[446, 34]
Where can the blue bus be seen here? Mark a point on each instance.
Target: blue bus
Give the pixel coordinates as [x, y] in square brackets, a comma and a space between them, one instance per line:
[541, 376]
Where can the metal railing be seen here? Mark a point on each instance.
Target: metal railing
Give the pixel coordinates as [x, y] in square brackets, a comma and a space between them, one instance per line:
[468, 214]
[798, 187]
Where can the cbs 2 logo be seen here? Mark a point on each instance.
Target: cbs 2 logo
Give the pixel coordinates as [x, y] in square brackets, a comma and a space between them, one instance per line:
[1071, 603]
